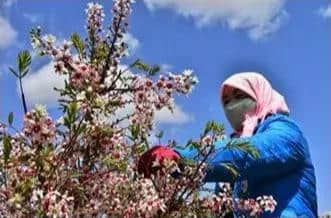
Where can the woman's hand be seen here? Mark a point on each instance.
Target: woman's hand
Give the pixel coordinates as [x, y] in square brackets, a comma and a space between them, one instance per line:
[158, 153]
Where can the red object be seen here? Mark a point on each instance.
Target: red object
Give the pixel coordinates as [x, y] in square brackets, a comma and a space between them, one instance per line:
[158, 152]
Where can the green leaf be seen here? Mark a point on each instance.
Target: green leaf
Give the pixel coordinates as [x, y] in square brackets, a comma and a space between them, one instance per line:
[45, 150]
[14, 72]
[150, 69]
[135, 129]
[188, 162]
[71, 114]
[23, 62]
[231, 168]
[214, 127]
[140, 149]
[76, 175]
[207, 128]
[26, 186]
[154, 69]
[10, 118]
[194, 145]
[115, 103]
[189, 142]
[141, 66]
[24, 74]
[66, 122]
[78, 43]
[159, 134]
[72, 110]
[118, 164]
[6, 148]
[245, 146]
[102, 51]
[81, 129]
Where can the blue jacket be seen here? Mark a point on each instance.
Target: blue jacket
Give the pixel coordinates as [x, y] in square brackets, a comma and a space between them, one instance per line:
[283, 169]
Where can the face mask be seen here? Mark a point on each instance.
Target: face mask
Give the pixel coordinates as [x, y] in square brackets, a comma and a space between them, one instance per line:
[236, 109]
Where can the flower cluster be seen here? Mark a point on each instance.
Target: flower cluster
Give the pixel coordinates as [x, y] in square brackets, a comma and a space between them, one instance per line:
[56, 204]
[39, 127]
[152, 204]
[256, 207]
[150, 95]
[223, 203]
[95, 17]
[267, 202]
[180, 83]
[86, 164]
[218, 204]
[83, 75]
[121, 10]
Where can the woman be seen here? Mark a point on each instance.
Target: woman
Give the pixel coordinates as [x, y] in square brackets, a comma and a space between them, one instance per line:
[260, 115]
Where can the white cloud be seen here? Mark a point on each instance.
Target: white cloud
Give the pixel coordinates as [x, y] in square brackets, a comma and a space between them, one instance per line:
[325, 12]
[177, 117]
[259, 17]
[166, 67]
[164, 116]
[39, 86]
[33, 18]
[132, 42]
[7, 33]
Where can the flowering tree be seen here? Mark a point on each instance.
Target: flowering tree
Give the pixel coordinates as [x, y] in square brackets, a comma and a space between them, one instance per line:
[85, 163]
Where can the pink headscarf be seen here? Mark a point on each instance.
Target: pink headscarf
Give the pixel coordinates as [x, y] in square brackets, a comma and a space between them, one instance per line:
[267, 99]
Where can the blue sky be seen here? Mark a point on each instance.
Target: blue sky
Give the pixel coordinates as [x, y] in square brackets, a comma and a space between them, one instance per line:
[289, 41]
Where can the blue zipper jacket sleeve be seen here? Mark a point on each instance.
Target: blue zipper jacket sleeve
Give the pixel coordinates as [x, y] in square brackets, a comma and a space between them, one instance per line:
[280, 147]
[282, 150]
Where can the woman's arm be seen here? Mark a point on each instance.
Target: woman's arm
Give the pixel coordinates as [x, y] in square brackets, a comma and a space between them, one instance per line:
[281, 147]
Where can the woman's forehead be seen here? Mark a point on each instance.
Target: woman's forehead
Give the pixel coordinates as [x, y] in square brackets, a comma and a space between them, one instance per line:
[228, 90]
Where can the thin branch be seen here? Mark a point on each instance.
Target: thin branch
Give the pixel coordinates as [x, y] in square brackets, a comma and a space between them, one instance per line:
[23, 96]
[111, 50]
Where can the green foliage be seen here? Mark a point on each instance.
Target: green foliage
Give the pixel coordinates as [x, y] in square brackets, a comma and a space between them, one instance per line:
[135, 130]
[193, 144]
[71, 114]
[188, 162]
[151, 70]
[214, 127]
[102, 51]
[78, 43]
[25, 187]
[245, 146]
[218, 129]
[6, 148]
[141, 148]
[14, 72]
[159, 135]
[23, 62]
[232, 169]
[10, 118]
[114, 163]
